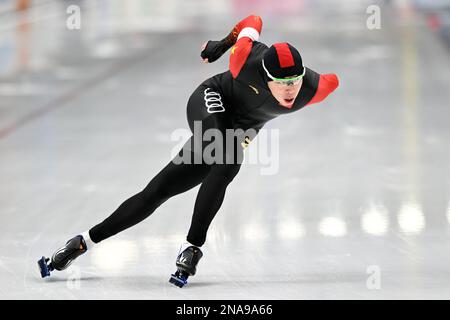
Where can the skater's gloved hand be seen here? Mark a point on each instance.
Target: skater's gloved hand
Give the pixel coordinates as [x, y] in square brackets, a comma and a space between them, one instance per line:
[213, 50]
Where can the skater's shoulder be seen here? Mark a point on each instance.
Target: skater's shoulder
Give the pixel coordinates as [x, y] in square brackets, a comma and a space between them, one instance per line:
[311, 78]
[252, 70]
[259, 46]
[319, 84]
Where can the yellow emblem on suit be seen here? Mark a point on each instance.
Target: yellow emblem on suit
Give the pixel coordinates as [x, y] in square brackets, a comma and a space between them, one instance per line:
[246, 142]
[254, 89]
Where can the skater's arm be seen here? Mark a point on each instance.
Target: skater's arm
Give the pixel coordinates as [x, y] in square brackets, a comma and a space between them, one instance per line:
[244, 33]
[250, 30]
[327, 84]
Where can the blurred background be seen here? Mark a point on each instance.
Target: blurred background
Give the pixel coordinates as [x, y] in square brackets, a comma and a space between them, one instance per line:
[360, 205]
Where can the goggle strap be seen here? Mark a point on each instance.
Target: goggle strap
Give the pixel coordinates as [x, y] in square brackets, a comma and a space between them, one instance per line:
[283, 80]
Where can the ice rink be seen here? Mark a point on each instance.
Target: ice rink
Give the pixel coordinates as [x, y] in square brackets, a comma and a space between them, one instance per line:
[357, 202]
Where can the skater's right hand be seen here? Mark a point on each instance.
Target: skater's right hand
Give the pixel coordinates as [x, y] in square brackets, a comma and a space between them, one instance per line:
[212, 50]
[205, 60]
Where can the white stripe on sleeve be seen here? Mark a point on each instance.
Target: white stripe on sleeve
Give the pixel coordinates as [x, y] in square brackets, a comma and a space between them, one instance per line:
[252, 33]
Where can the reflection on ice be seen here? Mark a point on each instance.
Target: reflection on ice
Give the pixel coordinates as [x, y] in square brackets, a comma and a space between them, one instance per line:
[290, 229]
[410, 218]
[375, 220]
[255, 231]
[112, 255]
[333, 227]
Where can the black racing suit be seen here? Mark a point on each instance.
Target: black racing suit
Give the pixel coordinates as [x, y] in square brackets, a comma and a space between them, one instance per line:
[220, 102]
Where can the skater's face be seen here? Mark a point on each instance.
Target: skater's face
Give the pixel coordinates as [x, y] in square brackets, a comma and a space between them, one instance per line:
[285, 94]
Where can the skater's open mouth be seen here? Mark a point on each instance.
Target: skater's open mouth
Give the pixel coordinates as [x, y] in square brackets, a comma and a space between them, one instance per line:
[288, 101]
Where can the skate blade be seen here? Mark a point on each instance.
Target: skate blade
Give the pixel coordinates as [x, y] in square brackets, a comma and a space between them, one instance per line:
[43, 267]
[179, 282]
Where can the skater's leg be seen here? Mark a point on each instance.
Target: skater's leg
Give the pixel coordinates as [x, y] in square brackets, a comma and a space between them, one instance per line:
[172, 180]
[209, 199]
[212, 191]
[175, 178]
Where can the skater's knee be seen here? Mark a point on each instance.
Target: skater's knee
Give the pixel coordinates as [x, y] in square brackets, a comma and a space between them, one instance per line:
[156, 189]
[226, 171]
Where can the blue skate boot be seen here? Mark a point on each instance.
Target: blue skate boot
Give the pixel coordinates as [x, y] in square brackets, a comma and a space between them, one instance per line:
[186, 264]
[63, 257]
